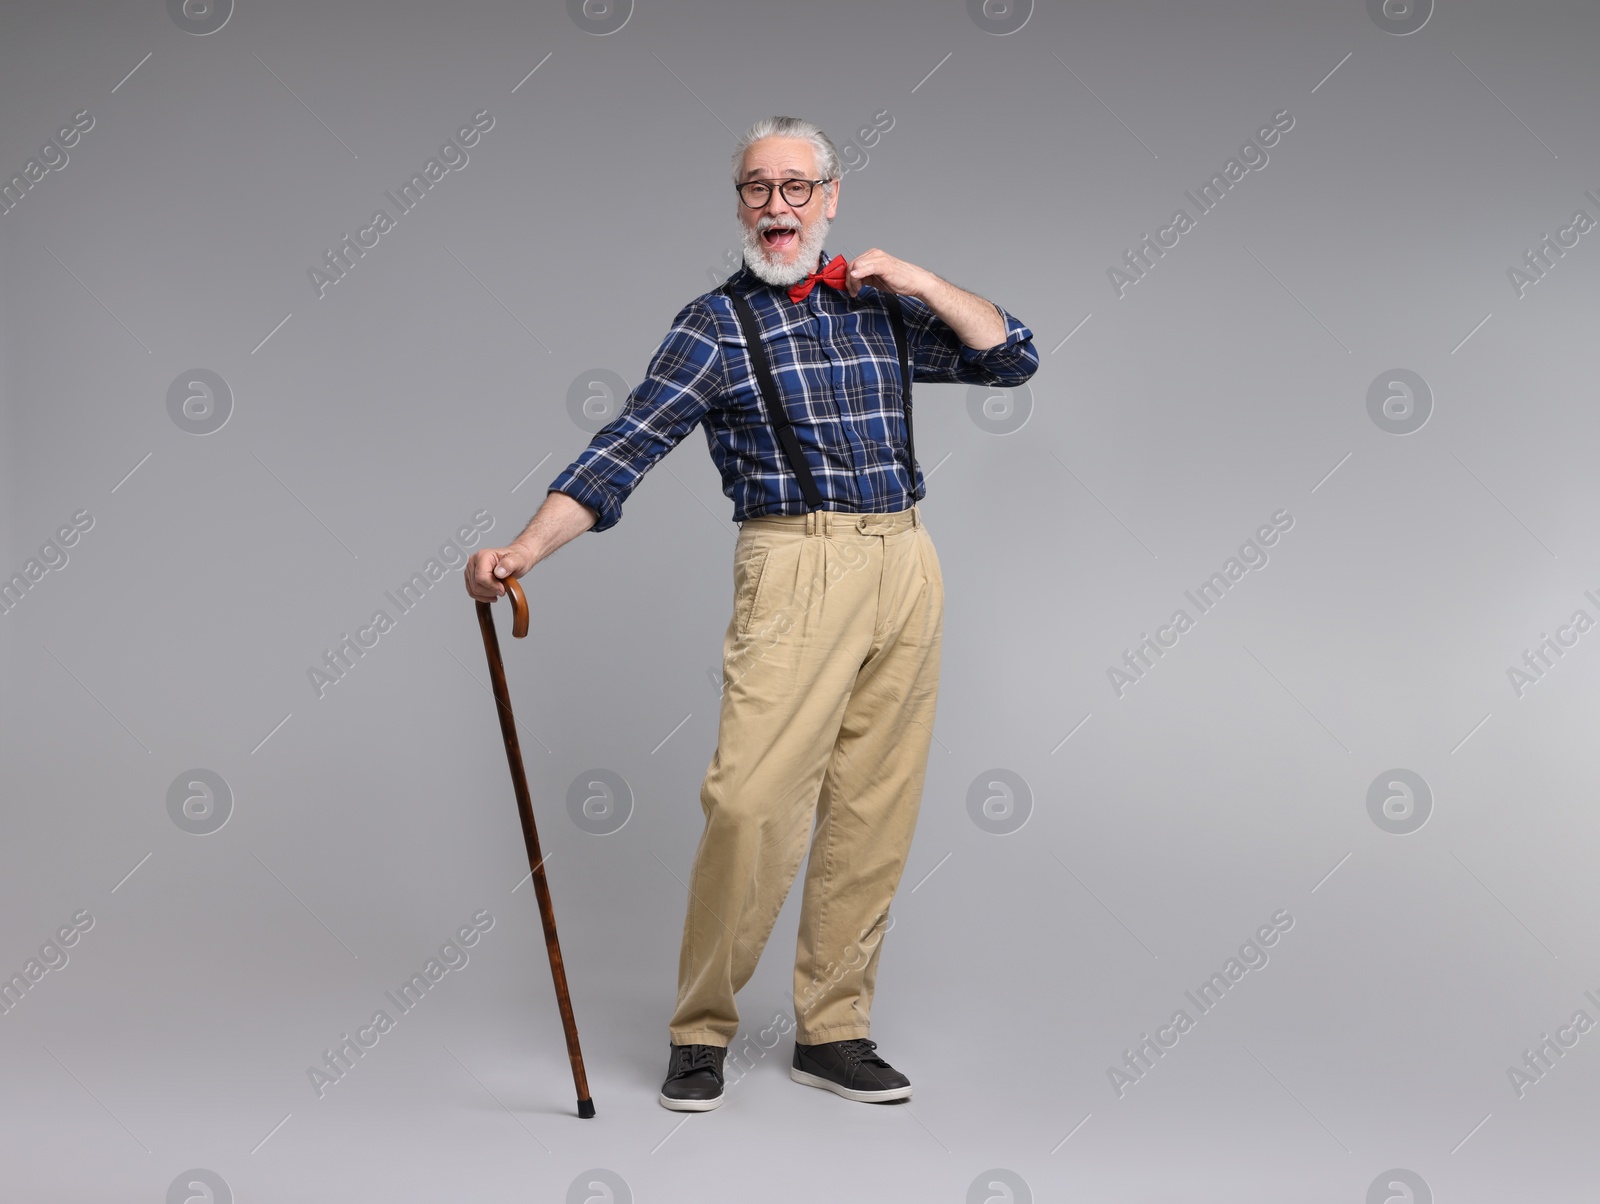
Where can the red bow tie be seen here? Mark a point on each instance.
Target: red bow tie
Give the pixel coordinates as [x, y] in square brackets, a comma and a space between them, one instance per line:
[833, 274]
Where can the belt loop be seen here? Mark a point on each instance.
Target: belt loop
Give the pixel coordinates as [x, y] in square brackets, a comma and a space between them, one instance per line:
[811, 522]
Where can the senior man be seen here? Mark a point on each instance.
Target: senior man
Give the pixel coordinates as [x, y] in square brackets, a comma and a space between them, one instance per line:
[798, 368]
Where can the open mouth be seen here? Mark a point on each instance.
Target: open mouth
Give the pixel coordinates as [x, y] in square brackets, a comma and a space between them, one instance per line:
[778, 237]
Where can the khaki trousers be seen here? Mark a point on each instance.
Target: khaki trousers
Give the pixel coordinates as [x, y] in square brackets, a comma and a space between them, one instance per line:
[830, 680]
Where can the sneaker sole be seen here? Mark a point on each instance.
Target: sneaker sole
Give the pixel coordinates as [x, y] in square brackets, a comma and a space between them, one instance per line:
[861, 1097]
[689, 1105]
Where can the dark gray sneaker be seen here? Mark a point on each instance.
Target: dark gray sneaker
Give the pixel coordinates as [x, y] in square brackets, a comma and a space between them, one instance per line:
[849, 1068]
[694, 1078]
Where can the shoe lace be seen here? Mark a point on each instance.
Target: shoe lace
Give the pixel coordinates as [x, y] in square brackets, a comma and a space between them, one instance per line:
[860, 1050]
[694, 1057]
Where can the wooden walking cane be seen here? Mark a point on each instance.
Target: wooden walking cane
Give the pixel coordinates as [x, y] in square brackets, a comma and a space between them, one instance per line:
[530, 834]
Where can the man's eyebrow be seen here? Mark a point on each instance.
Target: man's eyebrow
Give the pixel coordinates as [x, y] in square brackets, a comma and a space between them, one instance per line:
[794, 173]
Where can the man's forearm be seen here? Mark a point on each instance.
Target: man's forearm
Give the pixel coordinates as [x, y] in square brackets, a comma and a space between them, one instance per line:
[976, 322]
[560, 519]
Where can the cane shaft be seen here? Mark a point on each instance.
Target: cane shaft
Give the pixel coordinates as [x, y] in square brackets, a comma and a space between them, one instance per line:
[530, 836]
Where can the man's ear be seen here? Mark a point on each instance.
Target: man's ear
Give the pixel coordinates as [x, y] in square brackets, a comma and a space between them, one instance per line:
[833, 201]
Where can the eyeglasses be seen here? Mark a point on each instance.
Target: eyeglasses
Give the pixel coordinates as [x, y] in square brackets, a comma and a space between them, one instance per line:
[756, 193]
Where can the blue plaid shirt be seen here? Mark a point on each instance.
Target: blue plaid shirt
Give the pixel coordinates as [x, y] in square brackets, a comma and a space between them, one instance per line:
[834, 359]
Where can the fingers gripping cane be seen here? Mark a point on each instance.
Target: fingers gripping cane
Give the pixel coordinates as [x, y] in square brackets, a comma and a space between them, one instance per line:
[530, 834]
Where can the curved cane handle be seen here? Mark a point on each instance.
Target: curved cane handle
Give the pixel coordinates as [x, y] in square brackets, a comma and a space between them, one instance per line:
[519, 607]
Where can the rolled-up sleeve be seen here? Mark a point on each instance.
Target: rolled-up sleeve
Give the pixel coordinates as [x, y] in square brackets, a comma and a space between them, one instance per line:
[942, 358]
[683, 381]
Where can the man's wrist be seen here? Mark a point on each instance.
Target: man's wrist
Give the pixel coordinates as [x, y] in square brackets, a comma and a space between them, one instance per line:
[528, 547]
[928, 290]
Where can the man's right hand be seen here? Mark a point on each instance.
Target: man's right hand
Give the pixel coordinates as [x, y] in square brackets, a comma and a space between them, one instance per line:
[488, 567]
[560, 519]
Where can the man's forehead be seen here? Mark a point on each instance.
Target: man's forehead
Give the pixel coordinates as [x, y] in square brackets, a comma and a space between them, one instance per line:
[777, 157]
[793, 173]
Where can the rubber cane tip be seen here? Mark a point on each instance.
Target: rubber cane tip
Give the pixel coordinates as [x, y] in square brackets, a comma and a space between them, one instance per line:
[586, 1109]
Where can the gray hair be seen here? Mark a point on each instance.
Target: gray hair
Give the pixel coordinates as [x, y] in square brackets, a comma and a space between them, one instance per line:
[791, 127]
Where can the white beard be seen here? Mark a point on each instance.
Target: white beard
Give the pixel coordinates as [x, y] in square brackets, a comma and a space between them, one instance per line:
[812, 237]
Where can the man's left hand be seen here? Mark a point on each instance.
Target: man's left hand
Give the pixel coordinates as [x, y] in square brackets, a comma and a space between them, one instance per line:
[887, 274]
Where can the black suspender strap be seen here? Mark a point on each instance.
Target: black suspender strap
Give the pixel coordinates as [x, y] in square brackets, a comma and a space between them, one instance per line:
[897, 319]
[774, 399]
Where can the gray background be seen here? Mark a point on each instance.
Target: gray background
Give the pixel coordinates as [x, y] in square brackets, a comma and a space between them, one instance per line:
[1163, 428]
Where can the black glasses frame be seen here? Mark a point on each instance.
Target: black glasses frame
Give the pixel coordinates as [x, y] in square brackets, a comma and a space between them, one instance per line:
[771, 187]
